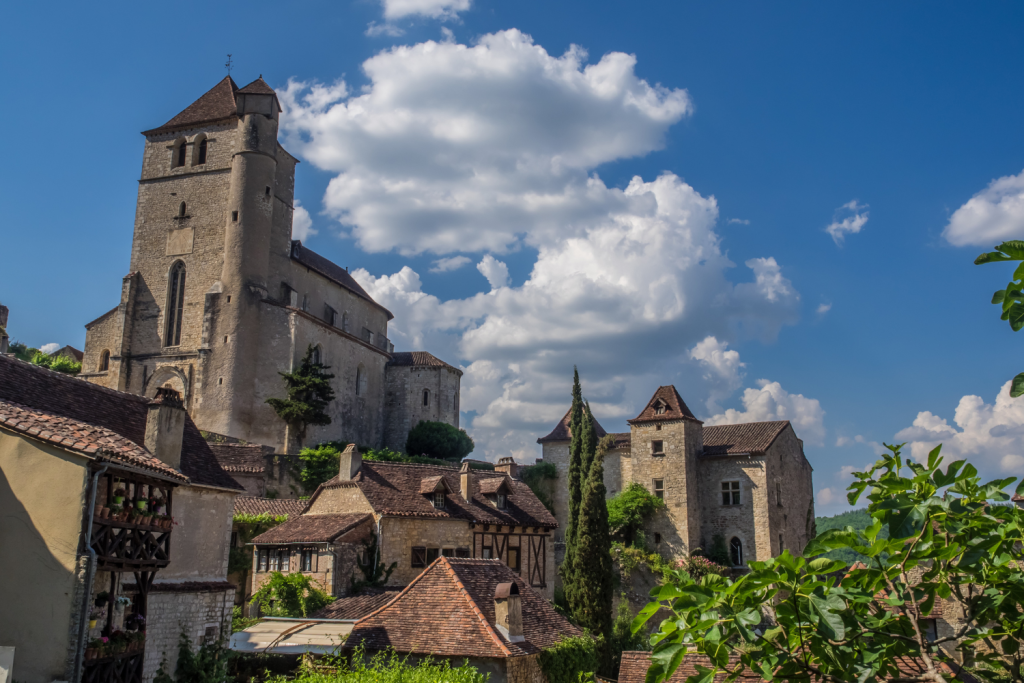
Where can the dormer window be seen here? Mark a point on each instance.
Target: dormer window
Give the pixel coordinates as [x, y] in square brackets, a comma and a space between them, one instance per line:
[660, 407]
[501, 501]
[438, 499]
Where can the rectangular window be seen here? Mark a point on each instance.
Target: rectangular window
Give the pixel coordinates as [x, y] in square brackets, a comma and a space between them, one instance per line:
[512, 559]
[367, 335]
[432, 554]
[261, 560]
[419, 557]
[929, 629]
[234, 539]
[659, 488]
[438, 499]
[778, 493]
[462, 552]
[274, 561]
[502, 501]
[306, 561]
[448, 552]
[305, 303]
[730, 493]
[486, 552]
[781, 545]
[657, 538]
[657, 448]
[285, 557]
[330, 316]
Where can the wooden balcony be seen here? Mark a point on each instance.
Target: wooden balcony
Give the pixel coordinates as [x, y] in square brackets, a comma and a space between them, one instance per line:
[130, 547]
[125, 667]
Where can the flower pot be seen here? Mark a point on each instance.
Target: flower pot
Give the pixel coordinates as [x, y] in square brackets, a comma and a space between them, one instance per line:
[118, 500]
[92, 623]
[141, 504]
[104, 513]
[90, 653]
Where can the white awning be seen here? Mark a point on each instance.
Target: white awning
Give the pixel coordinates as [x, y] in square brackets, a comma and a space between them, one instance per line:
[292, 636]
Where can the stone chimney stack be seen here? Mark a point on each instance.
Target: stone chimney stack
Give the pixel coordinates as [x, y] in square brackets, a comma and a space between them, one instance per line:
[3, 329]
[351, 462]
[165, 426]
[508, 612]
[508, 466]
[466, 482]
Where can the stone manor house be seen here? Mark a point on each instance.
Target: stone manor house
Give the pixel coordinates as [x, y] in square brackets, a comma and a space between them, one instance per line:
[219, 299]
[749, 483]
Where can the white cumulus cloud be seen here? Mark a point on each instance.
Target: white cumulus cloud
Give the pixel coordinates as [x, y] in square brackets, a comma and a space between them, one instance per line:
[723, 369]
[771, 402]
[823, 309]
[494, 270]
[445, 265]
[827, 496]
[848, 220]
[434, 9]
[302, 224]
[49, 348]
[992, 216]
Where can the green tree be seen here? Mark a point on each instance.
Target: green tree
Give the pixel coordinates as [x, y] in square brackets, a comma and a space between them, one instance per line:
[1012, 297]
[290, 595]
[575, 477]
[593, 586]
[249, 526]
[630, 509]
[942, 525]
[589, 442]
[375, 574]
[319, 464]
[309, 391]
[439, 440]
[63, 364]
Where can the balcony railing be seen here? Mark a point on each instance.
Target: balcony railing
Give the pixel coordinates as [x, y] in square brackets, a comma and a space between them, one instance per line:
[128, 546]
[124, 667]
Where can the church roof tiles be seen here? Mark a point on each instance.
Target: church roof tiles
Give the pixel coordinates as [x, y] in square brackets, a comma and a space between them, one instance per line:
[312, 529]
[419, 359]
[216, 104]
[561, 432]
[665, 405]
[332, 271]
[750, 437]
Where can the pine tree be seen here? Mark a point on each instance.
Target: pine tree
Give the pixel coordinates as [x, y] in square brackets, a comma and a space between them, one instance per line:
[575, 478]
[589, 447]
[309, 392]
[593, 583]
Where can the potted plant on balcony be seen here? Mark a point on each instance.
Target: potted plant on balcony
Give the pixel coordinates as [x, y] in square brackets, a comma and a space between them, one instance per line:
[102, 598]
[94, 614]
[119, 496]
[142, 504]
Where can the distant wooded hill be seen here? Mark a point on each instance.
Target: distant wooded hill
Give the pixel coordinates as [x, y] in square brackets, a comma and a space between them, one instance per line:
[858, 519]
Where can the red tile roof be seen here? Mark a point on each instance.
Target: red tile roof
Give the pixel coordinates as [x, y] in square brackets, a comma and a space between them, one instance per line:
[357, 606]
[675, 407]
[217, 104]
[250, 505]
[93, 420]
[448, 610]
[751, 437]
[394, 489]
[332, 271]
[561, 432]
[420, 359]
[312, 529]
[240, 458]
[257, 87]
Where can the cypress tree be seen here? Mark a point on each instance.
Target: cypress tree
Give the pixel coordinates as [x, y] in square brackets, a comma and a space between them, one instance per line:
[575, 477]
[593, 587]
[589, 444]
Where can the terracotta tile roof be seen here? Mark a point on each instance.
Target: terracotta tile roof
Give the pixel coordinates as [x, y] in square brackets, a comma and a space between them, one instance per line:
[491, 485]
[357, 606]
[429, 484]
[239, 458]
[752, 437]
[92, 419]
[448, 610]
[623, 440]
[561, 432]
[257, 87]
[419, 359]
[250, 505]
[331, 271]
[633, 668]
[394, 489]
[312, 529]
[217, 104]
[675, 407]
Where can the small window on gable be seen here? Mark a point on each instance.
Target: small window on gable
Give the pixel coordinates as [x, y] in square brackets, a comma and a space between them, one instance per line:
[419, 557]
[104, 361]
[438, 499]
[736, 552]
[659, 488]
[426, 397]
[657, 448]
[201, 156]
[730, 493]
[659, 407]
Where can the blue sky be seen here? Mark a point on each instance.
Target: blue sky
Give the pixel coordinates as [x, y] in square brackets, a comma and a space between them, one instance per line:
[764, 123]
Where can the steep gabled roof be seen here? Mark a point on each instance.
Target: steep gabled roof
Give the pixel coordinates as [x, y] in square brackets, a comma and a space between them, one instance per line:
[393, 488]
[669, 398]
[448, 611]
[93, 420]
[312, 529]
[251, 505]
[561, 432]
[331, 271]
[751, 437]
[363, 603]
[418, 359]
[257, 87]
[240, 458]
[217, 104]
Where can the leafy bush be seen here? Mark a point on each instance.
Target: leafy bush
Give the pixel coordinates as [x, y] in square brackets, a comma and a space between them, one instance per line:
[439, 440]
[57, 363]
[208, 664]
[719, 552]
[571, 660]
[291, 595]
[622, 636]
[697, 566]
[631, 558]
[628, 511]
[319, 464]
[534, 476]
[384, 667]
[239, 622]
[22, 351]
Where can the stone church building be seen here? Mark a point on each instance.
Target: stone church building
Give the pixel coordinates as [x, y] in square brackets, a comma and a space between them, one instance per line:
[749, 483]
[219, 299]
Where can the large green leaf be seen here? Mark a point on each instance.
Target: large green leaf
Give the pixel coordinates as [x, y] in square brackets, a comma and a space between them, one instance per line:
[1016, 317]
[1014, 249]
[703, 675]
[831, 623]
[991, 257]
[908, 521]
[1017, 386]
[997, 298]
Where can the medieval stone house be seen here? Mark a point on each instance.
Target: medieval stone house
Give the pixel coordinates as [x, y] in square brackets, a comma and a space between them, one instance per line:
[219, 299]
[113, 507]
[749, 483]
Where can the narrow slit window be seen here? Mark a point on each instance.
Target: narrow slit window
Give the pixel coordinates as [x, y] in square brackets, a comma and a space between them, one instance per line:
[181, 210]
[657, 538]
[175, 304]
[778, 493]
[202, 152]
[736, 552]
[426, 397]
[234, 216]
[180, 153]
[659, 488]
[104, 361]
[782, 546]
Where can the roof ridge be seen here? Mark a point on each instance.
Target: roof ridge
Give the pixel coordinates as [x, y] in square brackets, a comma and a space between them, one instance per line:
[472, 603]
[64, 377]
[756, 422]
[397, 597]
[447, 468]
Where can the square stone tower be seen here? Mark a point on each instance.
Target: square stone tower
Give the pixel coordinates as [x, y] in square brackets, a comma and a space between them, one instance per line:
[666, 440]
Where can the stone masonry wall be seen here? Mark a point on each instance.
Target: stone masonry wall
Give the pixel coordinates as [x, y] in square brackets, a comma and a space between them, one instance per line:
[788, 473]
[747, 521]
[201, 615]
[401, 534]
[404, 400]
[557, 453]
[525, 670]
[338, 500]
[103, 335]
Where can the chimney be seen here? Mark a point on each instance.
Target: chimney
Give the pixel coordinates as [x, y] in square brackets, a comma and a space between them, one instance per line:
[3, 329]
[351, 461]
[508, 612]
[466, 482]
[165, 425]
[508, 466]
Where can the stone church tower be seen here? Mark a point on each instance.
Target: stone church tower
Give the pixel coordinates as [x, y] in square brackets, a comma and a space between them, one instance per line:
[219, 299]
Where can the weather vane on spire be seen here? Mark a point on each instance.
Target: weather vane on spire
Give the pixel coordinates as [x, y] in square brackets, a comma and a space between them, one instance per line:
[227, 65]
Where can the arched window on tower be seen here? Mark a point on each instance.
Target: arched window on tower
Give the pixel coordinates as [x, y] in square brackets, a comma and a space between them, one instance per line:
[104, 361]
[180, 152]
[175, 304]
[426, 397]
[199, 144]
[344, 321]
[736, 552]
[316, 356]
[181, 210]
[360, 380]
